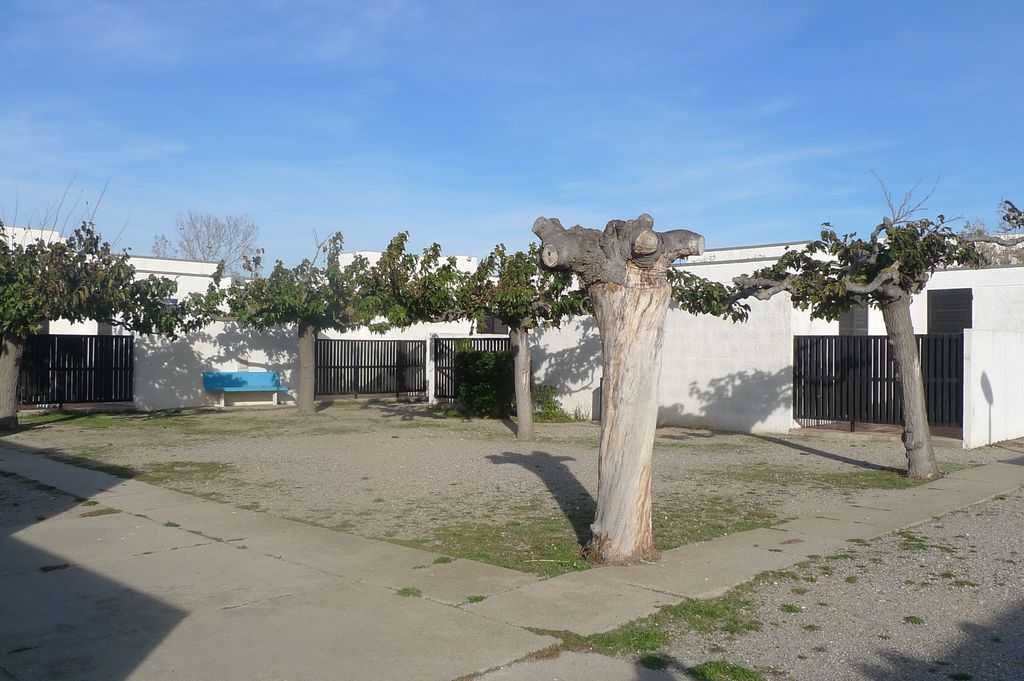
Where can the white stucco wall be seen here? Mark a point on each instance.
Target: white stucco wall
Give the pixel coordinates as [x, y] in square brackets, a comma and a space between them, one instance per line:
[569, 359]
[993, 386]
[169, 374]
[717, 374]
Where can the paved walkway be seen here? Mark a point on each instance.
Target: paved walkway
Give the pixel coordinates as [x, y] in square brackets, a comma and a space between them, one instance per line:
[174, 586]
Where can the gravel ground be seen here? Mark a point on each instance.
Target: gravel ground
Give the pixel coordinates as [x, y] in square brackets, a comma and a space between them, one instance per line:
[945, 600]
[393, 470]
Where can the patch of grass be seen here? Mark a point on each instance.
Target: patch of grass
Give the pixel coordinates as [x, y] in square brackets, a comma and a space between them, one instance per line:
[165, 472]
[773, 576]
[913, 619]
[543, 546]
[409, 592]
[683, 520]
[784, 476]
[549, 544]
[964, 582]
[252, 506]
[852, 579]
[730, 614]
[475, 599]
[811, 627]
[789, 607]
[799, 590]
[90, 502]
[171, 523]
[98, 512]
[845, 555]
[720, 670]
[640, 636]
[911, 541]
[441, 560]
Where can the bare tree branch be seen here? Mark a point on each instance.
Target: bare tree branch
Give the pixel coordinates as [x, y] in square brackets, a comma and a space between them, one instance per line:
[992, 239]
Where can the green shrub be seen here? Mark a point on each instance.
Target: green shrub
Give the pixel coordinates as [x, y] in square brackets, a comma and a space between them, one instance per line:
[546, 407]
[485, 382]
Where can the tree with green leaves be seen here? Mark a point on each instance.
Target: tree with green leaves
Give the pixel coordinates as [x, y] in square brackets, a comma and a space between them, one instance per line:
[507, 286]
[885, 270]
[624, 270]
[314, 297]
[77, 279]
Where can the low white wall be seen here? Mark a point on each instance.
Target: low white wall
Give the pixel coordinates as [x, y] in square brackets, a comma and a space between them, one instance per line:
[726, 376]
[569, 358]
[169, 374]
[993, 386]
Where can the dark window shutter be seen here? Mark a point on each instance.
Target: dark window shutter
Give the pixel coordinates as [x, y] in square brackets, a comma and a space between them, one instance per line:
[854, 322]
[950, 310]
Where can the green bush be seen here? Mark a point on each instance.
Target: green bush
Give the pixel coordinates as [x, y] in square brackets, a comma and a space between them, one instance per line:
[546, 407]
[485, 382]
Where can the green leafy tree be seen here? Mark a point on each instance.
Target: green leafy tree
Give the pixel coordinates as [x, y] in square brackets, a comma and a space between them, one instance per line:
[885, 270]
[78, 279]
[314, 297]
[508, 286]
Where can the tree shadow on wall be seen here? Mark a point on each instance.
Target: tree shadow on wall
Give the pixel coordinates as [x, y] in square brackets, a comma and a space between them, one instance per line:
[738, 401]
[575, 368]
[572, 497]
[173, 369]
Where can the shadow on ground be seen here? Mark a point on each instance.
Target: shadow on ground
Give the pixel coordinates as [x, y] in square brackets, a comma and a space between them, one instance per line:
[572, 497]
[804, 449]
[993, 649]
[63, 621]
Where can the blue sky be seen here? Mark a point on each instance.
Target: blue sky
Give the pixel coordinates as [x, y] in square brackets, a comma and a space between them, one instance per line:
[748, 122]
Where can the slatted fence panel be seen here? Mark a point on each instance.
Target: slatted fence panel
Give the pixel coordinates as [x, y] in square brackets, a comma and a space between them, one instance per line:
[68, 369]
[853, 378]
[370, 367]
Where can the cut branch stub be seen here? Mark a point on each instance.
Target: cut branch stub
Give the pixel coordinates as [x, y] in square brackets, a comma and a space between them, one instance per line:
[602, 257]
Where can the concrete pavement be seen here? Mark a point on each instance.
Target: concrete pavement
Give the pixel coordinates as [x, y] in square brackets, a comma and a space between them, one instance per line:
[173, 586]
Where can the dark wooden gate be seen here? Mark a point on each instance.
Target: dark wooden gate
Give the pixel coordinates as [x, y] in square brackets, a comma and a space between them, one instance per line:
[444, 360]
[853, 379]
[370, 367]
[68, 369]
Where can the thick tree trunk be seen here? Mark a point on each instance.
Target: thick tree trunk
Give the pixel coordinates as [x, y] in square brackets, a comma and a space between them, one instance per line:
[631, 320]
[520, 339]
[916, 434]
[307, 369]
[10, 366]
[624, 269]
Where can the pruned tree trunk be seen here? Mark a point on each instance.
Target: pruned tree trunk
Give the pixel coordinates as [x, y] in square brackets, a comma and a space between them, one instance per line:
[307, 370]
[917, 438]
[631, 320]
[10, 367]
[520, 339]
[624, 270]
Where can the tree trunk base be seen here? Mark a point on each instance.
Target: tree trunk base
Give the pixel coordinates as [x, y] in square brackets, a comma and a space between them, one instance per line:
[8, 423]
[597, 552]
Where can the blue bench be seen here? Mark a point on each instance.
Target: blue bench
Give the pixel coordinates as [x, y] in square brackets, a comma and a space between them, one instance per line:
[242, 382]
